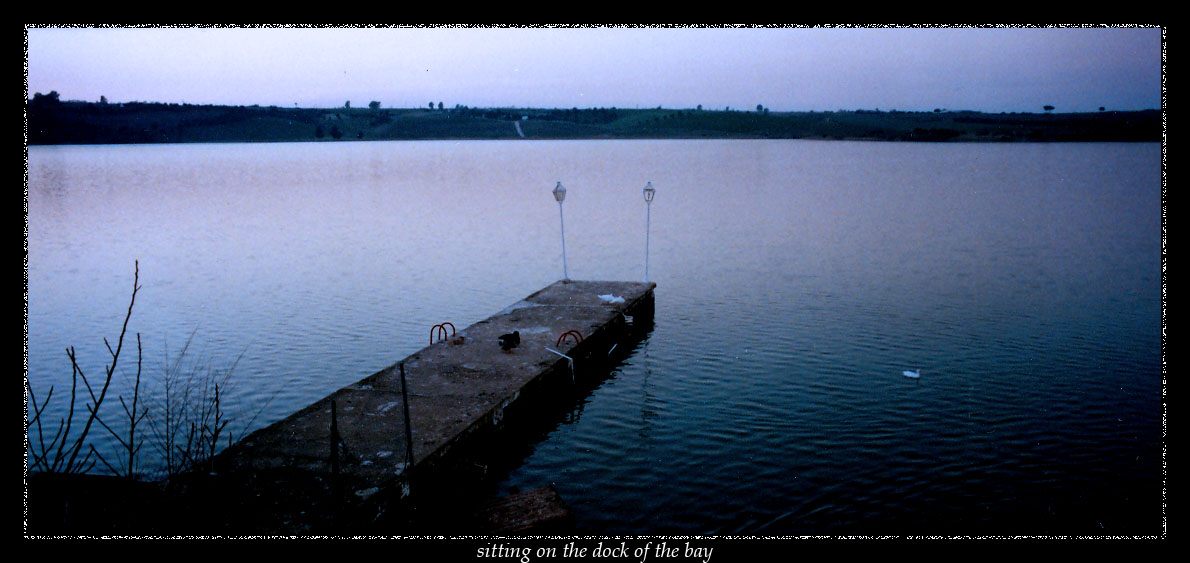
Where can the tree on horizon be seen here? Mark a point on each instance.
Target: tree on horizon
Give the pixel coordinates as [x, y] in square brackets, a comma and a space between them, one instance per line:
[51, 98]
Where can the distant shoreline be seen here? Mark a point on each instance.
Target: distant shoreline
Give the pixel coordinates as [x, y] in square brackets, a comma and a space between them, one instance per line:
[53, 122]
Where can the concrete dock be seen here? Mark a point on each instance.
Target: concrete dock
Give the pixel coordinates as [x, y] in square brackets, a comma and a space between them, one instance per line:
[344, 459]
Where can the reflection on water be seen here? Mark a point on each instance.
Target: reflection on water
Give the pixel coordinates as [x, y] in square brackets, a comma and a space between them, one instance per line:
[796, 282]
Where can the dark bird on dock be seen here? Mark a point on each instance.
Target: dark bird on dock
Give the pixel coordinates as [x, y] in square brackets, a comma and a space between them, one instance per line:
[510, 341]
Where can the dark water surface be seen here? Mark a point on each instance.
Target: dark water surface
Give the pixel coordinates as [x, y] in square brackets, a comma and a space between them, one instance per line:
[796, 282]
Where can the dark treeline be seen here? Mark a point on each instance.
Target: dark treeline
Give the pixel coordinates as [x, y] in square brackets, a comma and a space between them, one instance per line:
[53, 121]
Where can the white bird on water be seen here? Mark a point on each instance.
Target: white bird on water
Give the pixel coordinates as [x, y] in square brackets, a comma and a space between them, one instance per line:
[913, 374]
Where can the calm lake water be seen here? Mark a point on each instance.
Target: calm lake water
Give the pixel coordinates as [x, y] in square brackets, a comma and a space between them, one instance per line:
[797, 280]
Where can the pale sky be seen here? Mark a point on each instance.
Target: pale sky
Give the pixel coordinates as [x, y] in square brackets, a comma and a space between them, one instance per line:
[785, 69]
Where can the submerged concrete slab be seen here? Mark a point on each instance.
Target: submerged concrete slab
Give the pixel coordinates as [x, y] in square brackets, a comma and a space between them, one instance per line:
[457, 388]
[536, 511]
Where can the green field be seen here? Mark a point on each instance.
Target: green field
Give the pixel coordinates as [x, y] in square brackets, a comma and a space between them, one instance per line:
[68, 122]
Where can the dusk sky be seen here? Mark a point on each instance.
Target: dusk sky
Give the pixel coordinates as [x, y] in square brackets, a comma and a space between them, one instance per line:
[784, 69]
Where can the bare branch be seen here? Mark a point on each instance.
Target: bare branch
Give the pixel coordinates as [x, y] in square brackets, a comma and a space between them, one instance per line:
[37, 410]
[94, 412]
[105, 463]
[74, 372]
[39, 460]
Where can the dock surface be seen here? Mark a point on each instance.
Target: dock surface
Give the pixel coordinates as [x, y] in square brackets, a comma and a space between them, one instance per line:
[459, 388]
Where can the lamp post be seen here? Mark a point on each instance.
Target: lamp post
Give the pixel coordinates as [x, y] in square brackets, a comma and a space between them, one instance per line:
[648, 192]
[559, 195]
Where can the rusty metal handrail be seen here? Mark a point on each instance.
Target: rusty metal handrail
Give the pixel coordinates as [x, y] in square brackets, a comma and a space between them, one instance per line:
[578, 337]
[441, 329]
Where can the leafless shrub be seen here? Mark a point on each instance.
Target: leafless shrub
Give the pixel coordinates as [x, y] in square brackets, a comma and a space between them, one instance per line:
[132, 444]
[60, 454]
[184, 413]
[188, 420]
